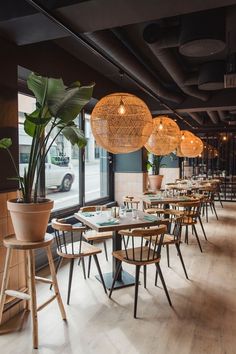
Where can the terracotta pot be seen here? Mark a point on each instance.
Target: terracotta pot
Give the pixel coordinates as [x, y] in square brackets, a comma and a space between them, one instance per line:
[30, 220]
[155, 182]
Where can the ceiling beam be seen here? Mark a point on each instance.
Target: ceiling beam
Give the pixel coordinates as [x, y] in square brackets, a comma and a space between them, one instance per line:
[90, 16]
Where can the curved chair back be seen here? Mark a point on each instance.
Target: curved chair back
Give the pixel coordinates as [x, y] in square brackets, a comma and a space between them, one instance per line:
[135, 246]
[65, 238]
[191, 210]
[92, 208]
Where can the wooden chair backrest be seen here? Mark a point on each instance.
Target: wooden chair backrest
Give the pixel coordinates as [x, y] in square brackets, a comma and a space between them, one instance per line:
[137, 240]
[64, 235]
[92, 208]
[191, 209]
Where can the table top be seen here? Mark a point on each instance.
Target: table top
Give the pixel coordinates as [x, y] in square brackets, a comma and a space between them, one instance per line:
[155, 199]
[124, 222]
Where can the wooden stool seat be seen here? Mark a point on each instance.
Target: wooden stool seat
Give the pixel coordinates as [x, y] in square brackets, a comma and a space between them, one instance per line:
[29, 293]
[12, 242]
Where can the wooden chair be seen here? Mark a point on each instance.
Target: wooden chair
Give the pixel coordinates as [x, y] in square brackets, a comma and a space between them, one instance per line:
[92, 236]
[173, 238]
[130, 202]
[209, 201]
[139, 254]
[191, 212]
[29, 293]
[69, 248]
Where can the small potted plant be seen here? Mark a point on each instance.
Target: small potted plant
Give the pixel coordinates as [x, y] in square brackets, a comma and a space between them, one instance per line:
[154, 164]
[57, 107]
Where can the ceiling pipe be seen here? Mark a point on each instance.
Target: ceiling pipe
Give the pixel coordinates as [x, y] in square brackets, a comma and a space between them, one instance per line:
[222, 115]
[162, 37]
[109, 43]
[175, 70]
[196, 117]
[169, 62]
[97, 52]
[191, 79]
[213, 116]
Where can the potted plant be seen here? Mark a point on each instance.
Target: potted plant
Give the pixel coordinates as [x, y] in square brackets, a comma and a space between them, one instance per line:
[57, 106]
[155, 179]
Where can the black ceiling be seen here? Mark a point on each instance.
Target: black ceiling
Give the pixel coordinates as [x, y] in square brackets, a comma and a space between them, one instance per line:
[176, 56]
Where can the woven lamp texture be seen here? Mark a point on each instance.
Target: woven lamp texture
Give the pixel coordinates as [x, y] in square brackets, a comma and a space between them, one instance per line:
[190, 145]
[121, 131]
[165, 136]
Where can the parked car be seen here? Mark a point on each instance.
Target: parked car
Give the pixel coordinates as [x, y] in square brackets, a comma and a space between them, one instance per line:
[59, 173]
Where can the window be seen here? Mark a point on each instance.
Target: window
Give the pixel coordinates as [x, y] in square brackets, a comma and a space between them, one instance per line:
[96, 167]
[63, 176]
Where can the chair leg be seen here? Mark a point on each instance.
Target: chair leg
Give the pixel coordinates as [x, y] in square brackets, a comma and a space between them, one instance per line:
[186, 234]
[207, 212]
[220, 200]
[203, 230]
[70, 279]
[156, 277]
[32, 292]
[181, 259]
[198, 241]
[115, 278]
[137, 271]
[83, 266]
[145, 276]
[89, 262]
[5, 280]
[168, 255]
[213, 206]
[99, 272]
[59, 262]
[55, 284]
[105, 249]
[163, 283]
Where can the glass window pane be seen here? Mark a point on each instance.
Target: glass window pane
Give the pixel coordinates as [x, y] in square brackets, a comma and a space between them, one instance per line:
[62, 173]
[96, 167]
[61, 165]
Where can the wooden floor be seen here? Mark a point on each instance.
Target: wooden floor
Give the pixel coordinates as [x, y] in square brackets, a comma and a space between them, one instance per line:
[202, 320]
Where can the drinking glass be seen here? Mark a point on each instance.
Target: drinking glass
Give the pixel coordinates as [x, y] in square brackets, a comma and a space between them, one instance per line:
[134, 213]
[98, 210]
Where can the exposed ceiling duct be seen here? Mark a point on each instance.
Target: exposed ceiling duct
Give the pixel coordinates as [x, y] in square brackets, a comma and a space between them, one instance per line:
[213, 116]
[196, 117]
[202, 34]
[211, 76]
[168, 61]
[223, 115]
[175, 70]
[106, 41]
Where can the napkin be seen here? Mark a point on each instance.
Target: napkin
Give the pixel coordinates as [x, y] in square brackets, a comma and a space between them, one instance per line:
[107, 223]
[86, 213]
[150, 217]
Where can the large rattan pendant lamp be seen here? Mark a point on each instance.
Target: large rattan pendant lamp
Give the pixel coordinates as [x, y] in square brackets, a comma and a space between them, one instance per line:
[190, 145]
[121, 123]
[165, 136]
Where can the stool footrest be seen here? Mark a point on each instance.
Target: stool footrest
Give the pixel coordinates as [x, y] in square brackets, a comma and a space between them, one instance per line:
[46, 302]
[44, 280]
[17, 294]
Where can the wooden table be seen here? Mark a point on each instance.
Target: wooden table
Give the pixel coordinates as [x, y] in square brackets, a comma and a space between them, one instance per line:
[125, 222]
[155, 200]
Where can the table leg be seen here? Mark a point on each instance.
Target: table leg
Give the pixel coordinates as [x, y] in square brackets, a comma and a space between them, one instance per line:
[124, 278]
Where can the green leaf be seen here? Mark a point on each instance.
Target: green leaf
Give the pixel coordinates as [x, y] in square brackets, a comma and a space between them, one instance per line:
[37, 119]
[68, 106]
[74, 135]
[5, 143]
[37, 85]
[29, 127]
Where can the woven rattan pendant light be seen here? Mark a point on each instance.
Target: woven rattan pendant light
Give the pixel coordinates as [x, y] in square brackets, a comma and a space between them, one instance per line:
[190, 145]
[165, 136]
[121, 123]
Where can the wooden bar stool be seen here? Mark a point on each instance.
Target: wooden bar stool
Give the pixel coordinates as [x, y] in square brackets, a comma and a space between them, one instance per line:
[29, 294]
